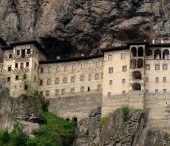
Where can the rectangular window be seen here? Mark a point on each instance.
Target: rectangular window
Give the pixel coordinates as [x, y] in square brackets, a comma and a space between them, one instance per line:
[164, 90]
[62, 91]
[156, 90]
[82, 78]
[157, 67]
[164, 79]
[41, 70]
[25, 87]
[124, 68]
[9, 68]
[72, 79]
[110, 57]
[16, 65]
[147, 67]
[99, 87]
[28, 51]
[156, 79]
[122, 55]
[96, 76]
[165, 66]
[41, 93]
[48, 81]
[47, 93]
[16, 77]
[109, 94]
[146, 79]
[110, 82]
[98, 64]
[21, 66]
[10, 56]
[57, 69]
[24, 76]
[110, 70]
[57, 81]
[57, 92]
[8, 79]
[27, 64]
[72, 90]
[65, 68]
[18, 52]
[123, 81]
[65, 80]
[73, 67]
[41, 82]
[82, 89]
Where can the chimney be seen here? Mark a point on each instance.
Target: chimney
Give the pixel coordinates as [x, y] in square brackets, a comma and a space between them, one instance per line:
[58, 57]
[153, 41]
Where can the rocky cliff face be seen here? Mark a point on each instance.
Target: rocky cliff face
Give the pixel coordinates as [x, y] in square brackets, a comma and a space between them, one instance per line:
[120, 128]
[84, 24]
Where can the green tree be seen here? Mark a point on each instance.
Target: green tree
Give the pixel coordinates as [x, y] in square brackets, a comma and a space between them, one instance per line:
[5, 137]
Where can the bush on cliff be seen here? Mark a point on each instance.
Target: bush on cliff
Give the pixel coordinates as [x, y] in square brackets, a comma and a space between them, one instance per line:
[55, 132]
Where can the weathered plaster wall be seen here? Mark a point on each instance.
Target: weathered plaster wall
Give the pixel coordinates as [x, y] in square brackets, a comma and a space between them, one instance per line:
[78, 106]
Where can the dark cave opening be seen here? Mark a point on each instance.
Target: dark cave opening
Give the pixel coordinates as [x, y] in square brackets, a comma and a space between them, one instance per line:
[56, 47]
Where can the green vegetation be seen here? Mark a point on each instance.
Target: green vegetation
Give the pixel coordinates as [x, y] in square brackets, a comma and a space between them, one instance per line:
[55, 132]
[167, 137]
[125, 111]
[104, 121]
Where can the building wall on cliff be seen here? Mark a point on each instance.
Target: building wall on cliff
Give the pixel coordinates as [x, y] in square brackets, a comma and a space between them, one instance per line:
[77, 106]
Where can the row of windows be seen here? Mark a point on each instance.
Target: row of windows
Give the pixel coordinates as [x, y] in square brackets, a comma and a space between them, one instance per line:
[157, 67]
[124, 69]
[111, 81]
[146, 91]
[110, 57]
[157, 79]
[72, 90]
[98, 76]
[19, 66]
[73, 67]
[20, 52]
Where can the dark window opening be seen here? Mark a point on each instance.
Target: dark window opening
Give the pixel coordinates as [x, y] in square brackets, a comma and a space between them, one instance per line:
[140, 51]
[16, 77]
[137, 75]
[136, 86]
[41, 82]
[24, 76]
[88, 89]
[22, 66]
[8, 79]
[18, 52]
[27, 64]
[75, 119]
[16, 65]
[166, 54]
[22, 53]
[41, 70]
[28, 51]
[67, 119]
[9, 68]
[140, 63]
[157, 54]
[134, 51]
[25, 87]
[10, 56]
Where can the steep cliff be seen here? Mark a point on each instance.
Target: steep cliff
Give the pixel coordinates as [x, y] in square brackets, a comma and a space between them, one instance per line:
[84, 24]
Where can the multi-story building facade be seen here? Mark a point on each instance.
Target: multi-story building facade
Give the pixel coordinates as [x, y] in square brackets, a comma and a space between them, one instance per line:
[133, 75]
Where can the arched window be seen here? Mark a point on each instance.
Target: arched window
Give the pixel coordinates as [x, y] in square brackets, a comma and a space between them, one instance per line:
[134, 51]
[136, 86]
[133, 63]
[140, 63]
[137, 75]
[157, 54]
[140, 51]
[74, 119]
[166, 54]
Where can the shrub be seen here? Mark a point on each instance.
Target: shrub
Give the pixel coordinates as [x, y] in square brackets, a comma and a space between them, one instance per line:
[104, 121]
[125, 111]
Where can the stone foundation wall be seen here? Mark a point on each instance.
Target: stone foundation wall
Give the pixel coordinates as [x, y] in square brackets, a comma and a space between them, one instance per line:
[78, 106]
